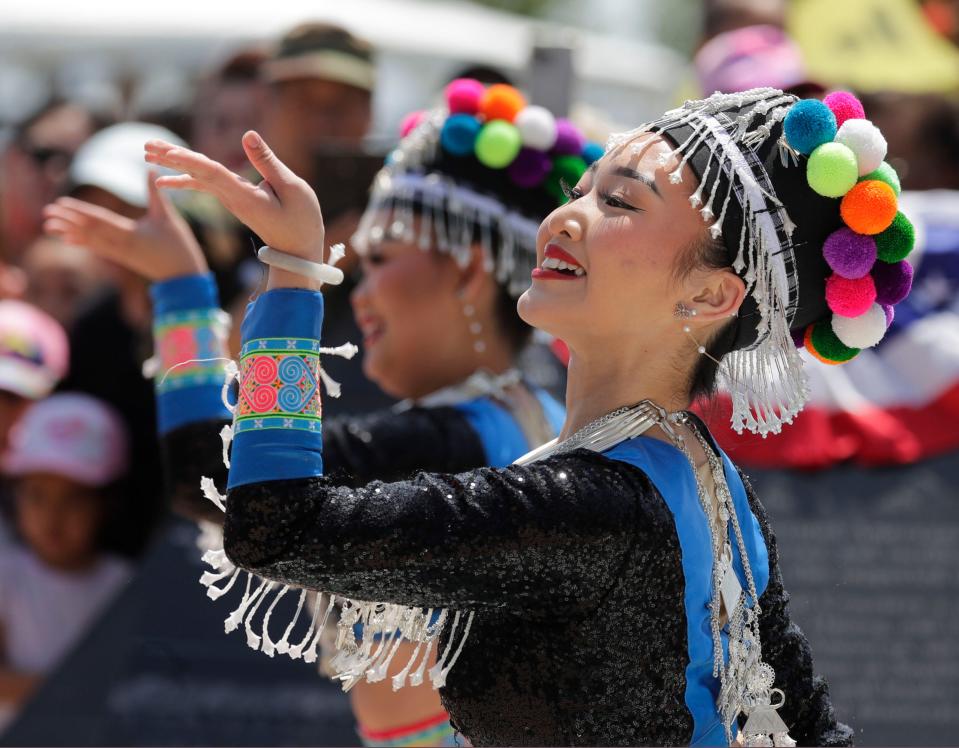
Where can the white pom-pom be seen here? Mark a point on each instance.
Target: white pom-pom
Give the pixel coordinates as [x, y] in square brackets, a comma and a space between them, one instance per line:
[863, 331]
[537, 127]
[863, 138]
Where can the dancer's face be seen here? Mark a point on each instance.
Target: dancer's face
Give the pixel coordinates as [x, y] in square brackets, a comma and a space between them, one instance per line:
[408, 308]
[624, 226]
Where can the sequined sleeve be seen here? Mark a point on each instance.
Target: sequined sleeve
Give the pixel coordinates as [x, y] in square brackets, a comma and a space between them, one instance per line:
[384, 445]
[524, 537]
[808, 710]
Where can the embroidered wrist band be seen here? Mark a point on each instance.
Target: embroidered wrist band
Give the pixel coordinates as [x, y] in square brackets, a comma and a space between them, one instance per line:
[276, 422]
[317, 270]
[279, 385]
[189, 333]
[191, 347]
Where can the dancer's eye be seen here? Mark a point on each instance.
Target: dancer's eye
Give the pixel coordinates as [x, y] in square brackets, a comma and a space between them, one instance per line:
[572, 193]
[614, 201]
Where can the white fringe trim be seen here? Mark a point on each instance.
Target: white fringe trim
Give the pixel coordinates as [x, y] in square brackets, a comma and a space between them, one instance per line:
[385, 626]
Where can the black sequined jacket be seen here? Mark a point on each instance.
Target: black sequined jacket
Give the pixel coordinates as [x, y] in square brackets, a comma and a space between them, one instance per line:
[572, 565]
[385, 445]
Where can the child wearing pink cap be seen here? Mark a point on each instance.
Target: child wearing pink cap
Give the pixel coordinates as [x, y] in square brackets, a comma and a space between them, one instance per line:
[64, 454]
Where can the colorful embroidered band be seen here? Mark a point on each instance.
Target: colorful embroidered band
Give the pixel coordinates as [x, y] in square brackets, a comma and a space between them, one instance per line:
[279, 385]
[277, 430]
[435, 730]
[190, 332]
[191, 347]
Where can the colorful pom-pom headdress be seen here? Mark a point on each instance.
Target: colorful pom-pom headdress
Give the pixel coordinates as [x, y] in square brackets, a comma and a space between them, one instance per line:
[487, 167]
[803, 200]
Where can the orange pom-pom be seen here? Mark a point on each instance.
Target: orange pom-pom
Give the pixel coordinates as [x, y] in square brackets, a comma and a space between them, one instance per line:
[869, 207]
[501, 102]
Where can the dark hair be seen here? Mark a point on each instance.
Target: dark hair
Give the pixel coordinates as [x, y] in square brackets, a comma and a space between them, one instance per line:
[706, 253]
[241, 67]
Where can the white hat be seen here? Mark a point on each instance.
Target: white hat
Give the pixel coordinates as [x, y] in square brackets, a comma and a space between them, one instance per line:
[113, 160]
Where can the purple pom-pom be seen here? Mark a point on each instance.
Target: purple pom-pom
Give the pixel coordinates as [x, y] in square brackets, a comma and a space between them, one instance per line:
[890, 311]
[799, 337]
[569, 140]
[849, 254]
[530, 168]
[893, 281]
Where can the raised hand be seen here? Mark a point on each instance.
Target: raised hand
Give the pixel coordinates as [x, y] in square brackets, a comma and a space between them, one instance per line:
[158, 246]
[282, 209]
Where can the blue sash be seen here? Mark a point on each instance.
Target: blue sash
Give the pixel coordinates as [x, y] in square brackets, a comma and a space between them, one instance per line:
[670, 471]
[503, 439]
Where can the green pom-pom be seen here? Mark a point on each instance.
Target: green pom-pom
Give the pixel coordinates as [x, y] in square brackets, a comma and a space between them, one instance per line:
[828, 346]
[568, 169]
[832, 170]
[896, 242]
[497, 144]
[885, 173]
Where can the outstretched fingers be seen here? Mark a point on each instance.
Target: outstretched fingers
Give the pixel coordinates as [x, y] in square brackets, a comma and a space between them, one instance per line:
[263, 159]
[212, 174]
[91, 226]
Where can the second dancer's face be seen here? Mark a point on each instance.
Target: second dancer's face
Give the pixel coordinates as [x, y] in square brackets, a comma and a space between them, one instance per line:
[408, 312]
[606, 260]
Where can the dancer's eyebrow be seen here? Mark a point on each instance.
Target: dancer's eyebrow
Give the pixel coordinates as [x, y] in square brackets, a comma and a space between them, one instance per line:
[625, 171]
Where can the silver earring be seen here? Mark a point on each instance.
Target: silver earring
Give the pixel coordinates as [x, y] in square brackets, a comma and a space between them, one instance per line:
[683, 312]
[476, 329]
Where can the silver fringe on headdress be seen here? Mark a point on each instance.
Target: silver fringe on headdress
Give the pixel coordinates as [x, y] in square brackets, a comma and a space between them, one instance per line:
[452, 216]
[766, 381]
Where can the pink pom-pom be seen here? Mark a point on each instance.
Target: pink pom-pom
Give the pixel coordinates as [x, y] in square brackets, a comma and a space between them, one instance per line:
[850, 297]
[463, 96]
[530, 168]
[890, 311]
[893, 281]
[845, 106]
[569, 140]
[849, 254]
[410, 122]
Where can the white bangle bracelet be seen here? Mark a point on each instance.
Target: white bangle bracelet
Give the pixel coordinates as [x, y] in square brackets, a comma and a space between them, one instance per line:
[317, 270]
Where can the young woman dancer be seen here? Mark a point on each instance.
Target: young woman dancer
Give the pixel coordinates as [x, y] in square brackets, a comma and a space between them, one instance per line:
[437, 306]
[620, 585]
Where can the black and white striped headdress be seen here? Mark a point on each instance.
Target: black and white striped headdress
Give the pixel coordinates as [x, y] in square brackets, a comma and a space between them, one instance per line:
[755, 199]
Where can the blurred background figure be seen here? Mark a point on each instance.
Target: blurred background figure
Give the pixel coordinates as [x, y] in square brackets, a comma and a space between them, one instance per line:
[110, 338]
[33, 170]
[66, 452]
[228, 102]
[33, 358]
[60, 279]
[753, 57]
[321, 80]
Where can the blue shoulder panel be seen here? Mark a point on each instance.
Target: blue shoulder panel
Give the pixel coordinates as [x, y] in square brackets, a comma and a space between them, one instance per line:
[669, 470]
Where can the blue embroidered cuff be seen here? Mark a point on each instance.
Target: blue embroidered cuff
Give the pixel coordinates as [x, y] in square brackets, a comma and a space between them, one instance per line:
[277, 423]
[186, 292]
[189, 332]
